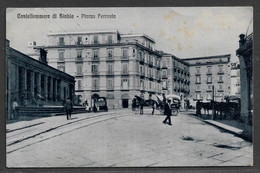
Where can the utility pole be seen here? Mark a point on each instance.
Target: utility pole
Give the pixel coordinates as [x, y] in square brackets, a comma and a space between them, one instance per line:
[213, 103]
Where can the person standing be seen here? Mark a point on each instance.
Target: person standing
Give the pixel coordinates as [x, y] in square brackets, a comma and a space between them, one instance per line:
[68, 108]
[141, 104]
[14, 110]
[168, 113]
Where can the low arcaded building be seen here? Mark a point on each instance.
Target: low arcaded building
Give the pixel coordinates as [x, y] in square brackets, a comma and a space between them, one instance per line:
[33, 83]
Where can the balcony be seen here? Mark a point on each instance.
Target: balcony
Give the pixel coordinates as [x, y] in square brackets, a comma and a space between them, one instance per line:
[209, 82]
[220, 90]
[142, 75]
[220, 81]
[197, 91]
[61, 60]
[164, 67]
[209, 90]
[124, 73]
[197, 74]
[109, 58]
[209, 73]
[95, 73]
[197, 82]
[125, 58]
[78, 59]
[110, 73]
[220, 72]
[110, 88]
[150, 64]
[78, 75]
[141, 60]
[164, 77]
[95, 59]
[95, 88]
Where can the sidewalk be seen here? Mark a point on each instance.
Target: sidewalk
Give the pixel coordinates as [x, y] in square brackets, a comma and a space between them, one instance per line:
[232, 126]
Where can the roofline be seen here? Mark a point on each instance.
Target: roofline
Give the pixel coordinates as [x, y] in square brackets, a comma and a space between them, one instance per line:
[173, 56]
[207, 57]
[83, 32]
[41, 63]
[138, 35]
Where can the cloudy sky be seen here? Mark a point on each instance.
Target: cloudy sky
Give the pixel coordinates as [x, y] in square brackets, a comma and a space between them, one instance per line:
[184, 31]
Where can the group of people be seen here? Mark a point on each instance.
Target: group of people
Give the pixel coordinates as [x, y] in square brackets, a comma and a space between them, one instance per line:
[166, 107]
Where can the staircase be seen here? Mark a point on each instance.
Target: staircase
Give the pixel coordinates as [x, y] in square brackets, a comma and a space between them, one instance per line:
[47, 111]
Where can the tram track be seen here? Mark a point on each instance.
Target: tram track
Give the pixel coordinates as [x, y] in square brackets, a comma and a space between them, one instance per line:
[59, 130]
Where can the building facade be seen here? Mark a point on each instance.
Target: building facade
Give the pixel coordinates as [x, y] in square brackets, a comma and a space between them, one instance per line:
[175, 77]
[107, 63]
[33, 83]
[206, 74]
[245, 55]
[235, 80]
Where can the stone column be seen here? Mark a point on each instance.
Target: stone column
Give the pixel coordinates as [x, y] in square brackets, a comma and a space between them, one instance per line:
[51, 88]
[39, 84]
[46, 87]
[32, 84]
[55, 89]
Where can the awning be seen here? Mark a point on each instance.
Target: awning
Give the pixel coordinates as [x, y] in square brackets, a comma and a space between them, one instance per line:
[173, 96]
[110, 96]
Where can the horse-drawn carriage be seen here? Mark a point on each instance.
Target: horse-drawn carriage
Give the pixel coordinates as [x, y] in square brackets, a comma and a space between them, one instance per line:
[158, 102]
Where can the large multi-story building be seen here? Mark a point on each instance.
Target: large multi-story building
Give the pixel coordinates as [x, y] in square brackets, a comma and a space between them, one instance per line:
[235, 80]
[207, 73]
[175, 77]
[107, 63]
[33, 82]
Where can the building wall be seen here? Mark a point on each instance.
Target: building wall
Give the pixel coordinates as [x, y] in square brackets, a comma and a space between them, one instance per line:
[235, 80]
[200, 83]
[139, 56]
[30, 81]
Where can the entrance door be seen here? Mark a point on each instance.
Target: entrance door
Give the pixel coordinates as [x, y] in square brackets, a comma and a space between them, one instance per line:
[125, 103]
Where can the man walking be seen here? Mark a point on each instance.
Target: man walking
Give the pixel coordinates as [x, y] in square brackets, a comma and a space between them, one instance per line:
[168, 113]
[68, 108]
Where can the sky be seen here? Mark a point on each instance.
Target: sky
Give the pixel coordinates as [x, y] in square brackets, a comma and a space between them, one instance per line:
[185, 32]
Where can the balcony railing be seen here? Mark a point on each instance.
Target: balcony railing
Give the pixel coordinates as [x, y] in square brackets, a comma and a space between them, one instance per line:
[78, 59]
[125, 58]
[220, 72]
[78, 74]
[125, 73]
[197, 74]
[95, 88]
[95, 73]
[110, 73]
[95, 58]
[220, 81]
[61, 60]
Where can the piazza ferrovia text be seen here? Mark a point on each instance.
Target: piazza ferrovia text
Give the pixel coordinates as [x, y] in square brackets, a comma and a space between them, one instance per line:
[65, 16]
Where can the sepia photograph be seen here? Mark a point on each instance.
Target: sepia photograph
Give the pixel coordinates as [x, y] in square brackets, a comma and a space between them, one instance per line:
[129, 87]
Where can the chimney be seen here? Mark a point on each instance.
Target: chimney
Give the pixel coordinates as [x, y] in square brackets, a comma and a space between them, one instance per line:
[43, 56]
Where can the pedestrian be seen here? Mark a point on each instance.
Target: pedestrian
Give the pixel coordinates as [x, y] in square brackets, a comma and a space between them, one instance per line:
[133, 104]
[198, 108]
[141, 104]
[86, 105]
[68, 108]
[151, 102]
[168, 113]
[14, 110]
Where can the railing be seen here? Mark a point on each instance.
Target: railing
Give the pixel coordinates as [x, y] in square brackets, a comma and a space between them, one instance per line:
[95, 58]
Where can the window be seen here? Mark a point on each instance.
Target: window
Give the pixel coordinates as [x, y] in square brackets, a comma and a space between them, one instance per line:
[79, 85]
[125, 53]
[198, 96]
[220, 87]
[79, 40]
[109, 40]
[95, 84]
[164, 73]
[209, 87]
[61, 68]
[141, 84]
[79, 69]
[150, 85]
[79, 54]
[61, 41]
[198, 87]
[198, 70]
[209, 69]
[125, 69]
[220, 78]
[95, 39]
[110, 69]
[110, 84]
[209, 96]
[164, 63]
[61, 56]
[220, 68]
[125, 83]
[197, 79]
[209, 79]
[164, 85]
[94, 68]
[110, 53]
[141, 70]
[95, 53]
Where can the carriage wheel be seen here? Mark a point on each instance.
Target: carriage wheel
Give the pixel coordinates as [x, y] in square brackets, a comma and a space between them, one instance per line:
[175, 112]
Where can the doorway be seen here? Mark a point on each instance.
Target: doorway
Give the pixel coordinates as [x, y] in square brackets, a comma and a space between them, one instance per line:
[125, 103]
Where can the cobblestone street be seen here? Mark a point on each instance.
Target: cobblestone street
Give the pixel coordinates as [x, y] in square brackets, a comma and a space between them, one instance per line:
[123, 138]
